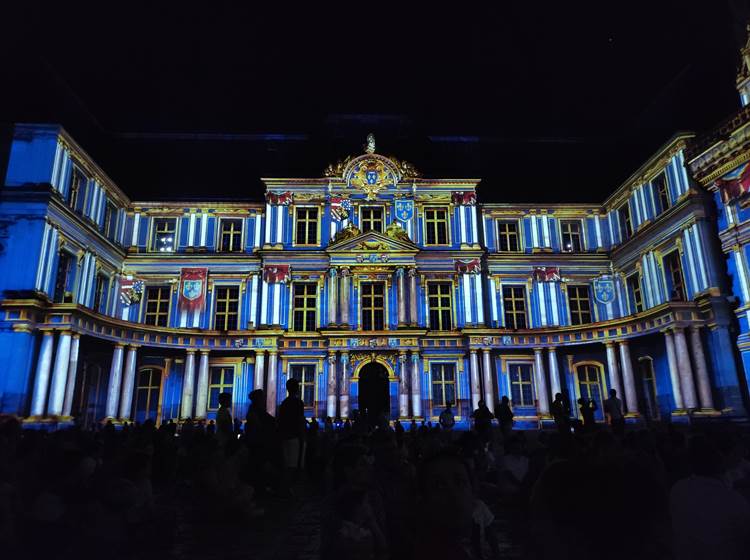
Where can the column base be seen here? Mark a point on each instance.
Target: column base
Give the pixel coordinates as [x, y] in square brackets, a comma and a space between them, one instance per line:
[707, 413]
[47, 422]
[680, 416]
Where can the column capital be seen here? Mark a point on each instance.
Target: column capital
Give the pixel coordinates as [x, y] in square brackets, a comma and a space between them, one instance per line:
[413, 272]
[273, 352]
[623, 342]
[332, 359]
[695, 327]
[538, 350]
[190, 350]
[133, 346]
[552, 349]
[486, 350]
[473, 350]
[119, 345]
[204, 351]
[609, 344]
[76, 336]
[47, 332]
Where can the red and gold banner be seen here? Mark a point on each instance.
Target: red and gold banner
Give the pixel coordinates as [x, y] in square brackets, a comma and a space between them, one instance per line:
[276, 273]
[735, 183]
[546, 274]
[473, 266]
[193, 288]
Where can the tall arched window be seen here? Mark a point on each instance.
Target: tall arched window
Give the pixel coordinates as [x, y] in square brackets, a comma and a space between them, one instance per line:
[147, 393]
[590, 385]
[646, 388]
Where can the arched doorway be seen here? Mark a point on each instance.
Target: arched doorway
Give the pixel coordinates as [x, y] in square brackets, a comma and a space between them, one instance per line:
[374, 399]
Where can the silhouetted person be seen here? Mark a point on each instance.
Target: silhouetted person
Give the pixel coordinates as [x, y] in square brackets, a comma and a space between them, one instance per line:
[560, 413]
[447, 421]
[505, 417]
[483, 421]
[224, 424]
[613, 407]
[260, 437]
[292, 425]
[587, 408]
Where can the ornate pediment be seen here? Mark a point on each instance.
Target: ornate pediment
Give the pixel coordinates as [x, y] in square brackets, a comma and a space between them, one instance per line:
[370, 242]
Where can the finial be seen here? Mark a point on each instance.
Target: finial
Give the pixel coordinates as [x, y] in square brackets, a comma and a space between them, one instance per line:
[370, 147]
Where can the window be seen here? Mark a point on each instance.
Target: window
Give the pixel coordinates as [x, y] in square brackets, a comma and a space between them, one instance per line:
[580, 305]
[521, 384]
[373, 306]
[227, 306]
[661, 189]
[157, 306]
[147, 394]
[231, 236]
[514, 302]
[571, 235]
[305, 305]
[371, 219]
[305, 374]
[443, 384]
[635, 295]
[63, 281]
[626, 226]
[77, 180]
[164, 240]
[590, 387]
[439, 299]
[100, 293]
[110, 219]
[507, 236]
[647, 399]
[673, 270]
[436, 226]
[307, 226]
[220, 380]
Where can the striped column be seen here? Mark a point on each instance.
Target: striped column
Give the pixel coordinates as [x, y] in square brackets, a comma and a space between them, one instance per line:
[186, 409]
[489, 390]
[701, 370]
[201, 395]
[331, 393]
[273, 357]
[413, 317]
[416, 390]
[59, 375]
[628, 378]
[403, 389]
[344, 389]
[260, 361]
[685, 369]
[674, 372]
[474, 372]
[128, 383]
[115, 382]
[72, 371]
[541, 383]
[613, 368]
[554, 371]
[41, 378]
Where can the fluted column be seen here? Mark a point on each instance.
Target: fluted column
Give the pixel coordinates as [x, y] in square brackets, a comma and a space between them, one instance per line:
[333, 296]
[416, 386]
[401, 297]
[628, 378]
[41, 378]
[59, 375]
[685, 369]
[674, 371]
[554, 371]
[403, 389]
[345, 281]
[70, 387]
[273, 360]
[701, 370]
[413, 319]
[186, 410]
[542, 393]
[614, 369]
[344, 390]
[201, 394]
[260, 362]
[128, 384]
[489, 390]
[331, 393]
[115, 382]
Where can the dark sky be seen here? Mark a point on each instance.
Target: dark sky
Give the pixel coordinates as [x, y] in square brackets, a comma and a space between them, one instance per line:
[545, 101]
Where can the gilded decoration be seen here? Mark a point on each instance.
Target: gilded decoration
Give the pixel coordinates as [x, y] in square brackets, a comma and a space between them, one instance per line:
[395, 231]
[349, 232]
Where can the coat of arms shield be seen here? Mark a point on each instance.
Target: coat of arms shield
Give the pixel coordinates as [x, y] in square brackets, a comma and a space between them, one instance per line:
[604, 290]
[192, 289]
[404, 209]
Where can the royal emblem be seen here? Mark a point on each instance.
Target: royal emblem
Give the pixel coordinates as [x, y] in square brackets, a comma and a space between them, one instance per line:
[546, 274]
[192, 288]
[277, 274]
[131, 290]
[340, 208]
[404, 209]
[604, 289]
[473, 266]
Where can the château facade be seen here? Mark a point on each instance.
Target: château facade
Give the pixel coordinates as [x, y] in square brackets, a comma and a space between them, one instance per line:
[377, 288]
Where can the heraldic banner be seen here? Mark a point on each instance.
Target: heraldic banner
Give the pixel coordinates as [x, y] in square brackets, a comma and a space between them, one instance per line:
[193, 288]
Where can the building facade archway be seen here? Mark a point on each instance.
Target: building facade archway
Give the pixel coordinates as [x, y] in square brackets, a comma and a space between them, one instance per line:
[373, 391]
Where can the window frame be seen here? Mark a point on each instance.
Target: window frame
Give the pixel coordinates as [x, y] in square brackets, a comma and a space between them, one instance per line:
[578, 312]
[625, 225]
[302, 383]
[521, 383]
[158, 313]
[98, 289]
[515, 312]
[579, 234]
[157, 372]
[154, 232]
[669, 275]
[425, 226]
[306, 208]
[72, 262]
[221, 385]
[440, 309]
[443, 383]
[658, 193]
[517, 235]
[362, 219]
[636, 302]
[73, 196]
[226, 313]
[109, 224]
[220, 244]
[305, 309]
[373, 309]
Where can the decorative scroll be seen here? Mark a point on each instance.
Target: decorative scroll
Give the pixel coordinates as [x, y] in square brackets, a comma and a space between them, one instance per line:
[473, 266]
[193, 288]
[735, 183]
[546, 274]
[131, 290]
[280, 199]
[464, 198]
[276, 274]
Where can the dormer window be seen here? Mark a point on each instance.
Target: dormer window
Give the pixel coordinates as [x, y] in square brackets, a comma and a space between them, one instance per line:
[77, 180]
[371, 219]
[165, 235]
[571, 236]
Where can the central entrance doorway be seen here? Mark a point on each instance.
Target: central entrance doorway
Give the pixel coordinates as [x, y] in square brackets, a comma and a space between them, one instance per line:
[374, 401]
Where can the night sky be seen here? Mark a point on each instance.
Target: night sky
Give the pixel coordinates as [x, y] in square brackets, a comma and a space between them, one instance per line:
[553, 102]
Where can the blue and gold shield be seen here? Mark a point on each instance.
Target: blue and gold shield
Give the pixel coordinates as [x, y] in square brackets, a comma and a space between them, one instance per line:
[404, 210]
[604, 290]
[192, 289]
[372, 177]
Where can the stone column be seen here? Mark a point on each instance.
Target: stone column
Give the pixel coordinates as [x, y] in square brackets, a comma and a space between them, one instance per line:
[345, 281]
[701, 370]
[344, 398]
[554, 371]
[201, 391]
[541, 383]
[333, 296]
[260, 361]
[401, 297]
[416, 386]
[128, 384]
[614, 369]
[674, 372]
[489, 390]
[685, 369]
[186, 410]
[273, 360]
[628, 378]
[41, 378]
[72, 372]
[474, 379]
[403, 389]
[59, 375]
[115, 382]
[413, 314]
[331, 394]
